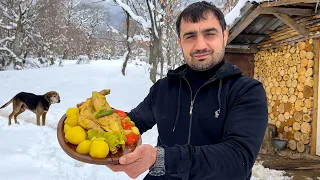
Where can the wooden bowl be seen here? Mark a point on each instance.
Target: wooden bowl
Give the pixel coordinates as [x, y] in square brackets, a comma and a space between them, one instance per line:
[70, 149]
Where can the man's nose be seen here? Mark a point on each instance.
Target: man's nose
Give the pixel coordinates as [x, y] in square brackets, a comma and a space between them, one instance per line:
[201, 43]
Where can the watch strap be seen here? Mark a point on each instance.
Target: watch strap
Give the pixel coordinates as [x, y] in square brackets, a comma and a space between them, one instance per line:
[158, 169]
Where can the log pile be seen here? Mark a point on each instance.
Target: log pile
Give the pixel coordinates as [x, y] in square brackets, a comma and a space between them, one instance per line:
[287, 75]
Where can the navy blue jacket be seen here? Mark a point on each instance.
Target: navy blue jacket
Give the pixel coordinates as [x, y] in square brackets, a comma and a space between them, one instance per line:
[216, 134]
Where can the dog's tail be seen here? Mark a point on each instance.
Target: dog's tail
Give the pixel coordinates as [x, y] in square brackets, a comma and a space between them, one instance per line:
[7, 104]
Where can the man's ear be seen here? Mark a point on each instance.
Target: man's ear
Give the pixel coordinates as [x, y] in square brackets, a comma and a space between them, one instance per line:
[179, 41]
[225, 36]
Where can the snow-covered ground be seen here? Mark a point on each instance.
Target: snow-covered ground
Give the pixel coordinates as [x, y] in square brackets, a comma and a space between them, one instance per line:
[30, 152]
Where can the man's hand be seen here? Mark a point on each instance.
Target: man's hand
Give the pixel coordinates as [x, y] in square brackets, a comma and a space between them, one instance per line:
[137, 162]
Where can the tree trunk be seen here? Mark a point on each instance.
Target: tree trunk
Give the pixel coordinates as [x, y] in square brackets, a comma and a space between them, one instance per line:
[128, 45]
[267, 147]
[168, 43]
[18, 39]
[153, 59]
[160, 53]
[161, 63]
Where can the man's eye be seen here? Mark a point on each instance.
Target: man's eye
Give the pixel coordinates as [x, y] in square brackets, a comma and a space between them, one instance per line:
[189, 37]
[210, 34]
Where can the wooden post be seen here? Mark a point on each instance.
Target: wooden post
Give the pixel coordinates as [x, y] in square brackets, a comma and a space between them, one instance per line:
[288, 11]
[286, 2]
[315, 95]
[293, 24]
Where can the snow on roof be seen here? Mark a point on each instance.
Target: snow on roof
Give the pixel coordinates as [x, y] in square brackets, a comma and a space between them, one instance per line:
[236, 11]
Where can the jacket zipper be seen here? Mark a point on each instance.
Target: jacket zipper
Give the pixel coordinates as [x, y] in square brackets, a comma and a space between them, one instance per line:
[192, 102]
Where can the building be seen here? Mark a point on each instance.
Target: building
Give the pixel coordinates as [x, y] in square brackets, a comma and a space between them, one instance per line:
[278, 43]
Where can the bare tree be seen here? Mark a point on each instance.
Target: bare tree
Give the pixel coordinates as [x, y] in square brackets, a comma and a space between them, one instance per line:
[89, 20]
[151, 16]
[17, 21]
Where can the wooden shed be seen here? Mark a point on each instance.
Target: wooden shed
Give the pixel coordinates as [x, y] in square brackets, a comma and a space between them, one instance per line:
[278, 43]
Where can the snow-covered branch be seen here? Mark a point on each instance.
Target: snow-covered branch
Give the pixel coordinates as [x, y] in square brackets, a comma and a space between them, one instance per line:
[139, 19]
[7, 15]
[7, 27]
[8, 50]
[6, 39]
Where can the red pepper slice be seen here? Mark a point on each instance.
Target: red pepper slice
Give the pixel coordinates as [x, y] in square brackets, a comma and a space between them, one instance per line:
[126, 125]
[131, 138]
[120, 113]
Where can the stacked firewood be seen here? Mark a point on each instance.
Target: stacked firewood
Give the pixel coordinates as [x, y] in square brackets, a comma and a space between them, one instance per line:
[287, 75]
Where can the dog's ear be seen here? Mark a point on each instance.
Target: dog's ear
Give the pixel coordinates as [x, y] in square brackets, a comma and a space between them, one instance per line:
[48, 95]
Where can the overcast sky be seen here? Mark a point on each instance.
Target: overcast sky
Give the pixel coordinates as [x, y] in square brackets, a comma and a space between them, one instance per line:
[115, 11]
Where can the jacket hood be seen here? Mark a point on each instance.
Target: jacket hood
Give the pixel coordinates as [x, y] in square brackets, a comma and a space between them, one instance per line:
[226, 70]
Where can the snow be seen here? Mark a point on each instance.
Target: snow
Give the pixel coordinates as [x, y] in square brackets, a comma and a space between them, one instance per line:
[114, 30]
[268, 174]
[141, 38]
[236, 11]
[30, 152]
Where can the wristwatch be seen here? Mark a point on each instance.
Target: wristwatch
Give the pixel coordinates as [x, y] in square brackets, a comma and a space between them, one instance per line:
[158, 169]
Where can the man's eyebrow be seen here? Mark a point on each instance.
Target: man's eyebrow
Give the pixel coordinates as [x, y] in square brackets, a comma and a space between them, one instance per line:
[209, 30]
[189, 33]
[204, 31]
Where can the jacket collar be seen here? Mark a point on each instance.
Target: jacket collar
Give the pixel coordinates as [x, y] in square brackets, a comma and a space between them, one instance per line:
[226, 70]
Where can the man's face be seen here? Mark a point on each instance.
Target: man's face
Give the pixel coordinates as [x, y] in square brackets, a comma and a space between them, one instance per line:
[203, 43]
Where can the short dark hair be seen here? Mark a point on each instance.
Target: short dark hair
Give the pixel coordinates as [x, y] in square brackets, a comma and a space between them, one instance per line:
[197, 11]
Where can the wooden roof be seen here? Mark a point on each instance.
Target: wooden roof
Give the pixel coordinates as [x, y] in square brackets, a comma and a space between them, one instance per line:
[257, 21]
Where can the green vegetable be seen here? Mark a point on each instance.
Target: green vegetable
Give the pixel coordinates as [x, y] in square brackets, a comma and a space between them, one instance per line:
[127, 119]
[114, 139]
[95, 133]
[104, 113]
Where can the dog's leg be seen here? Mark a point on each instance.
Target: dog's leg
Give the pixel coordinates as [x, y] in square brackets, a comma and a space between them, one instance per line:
[9, 119]
[14, 112]
[44, 118]
[16, 109]
[16, 115]
[38, 119]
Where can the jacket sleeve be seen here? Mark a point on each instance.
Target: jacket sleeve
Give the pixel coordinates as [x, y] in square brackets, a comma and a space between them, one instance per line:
[234, 158]
[142, 115]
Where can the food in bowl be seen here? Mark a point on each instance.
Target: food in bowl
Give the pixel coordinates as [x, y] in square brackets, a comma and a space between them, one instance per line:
[97, 129]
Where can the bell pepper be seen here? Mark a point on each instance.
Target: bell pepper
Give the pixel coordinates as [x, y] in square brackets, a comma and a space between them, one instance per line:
[126, 125]
[131, 138]
[120, 113]
[104, 113]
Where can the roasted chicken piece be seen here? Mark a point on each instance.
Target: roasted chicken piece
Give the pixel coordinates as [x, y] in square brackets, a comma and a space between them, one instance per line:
[110, 123]
[88, 123]
[99, 102]
[86, 108]
[94, 105]
[104, 92]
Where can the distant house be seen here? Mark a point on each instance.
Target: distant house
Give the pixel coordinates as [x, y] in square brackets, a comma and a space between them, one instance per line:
[278, 43]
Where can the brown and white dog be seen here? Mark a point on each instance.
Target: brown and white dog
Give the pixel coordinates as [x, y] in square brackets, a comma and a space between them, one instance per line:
[39, 104]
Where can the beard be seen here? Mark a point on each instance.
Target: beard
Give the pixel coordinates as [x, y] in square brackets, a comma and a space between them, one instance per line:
[205, 64]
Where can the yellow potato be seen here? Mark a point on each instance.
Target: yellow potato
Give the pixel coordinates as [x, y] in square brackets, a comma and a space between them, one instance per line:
[99, 149]
[84, 147]
[66, 128]
[76, 135]
[72, 120]
[72, 111]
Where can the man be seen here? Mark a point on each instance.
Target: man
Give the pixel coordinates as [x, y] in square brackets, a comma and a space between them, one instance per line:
[211, 119]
